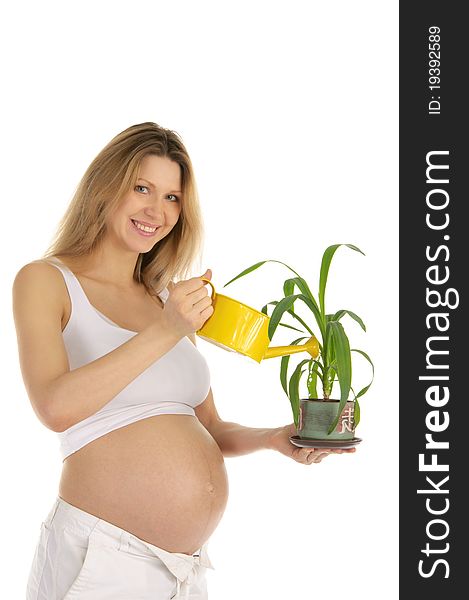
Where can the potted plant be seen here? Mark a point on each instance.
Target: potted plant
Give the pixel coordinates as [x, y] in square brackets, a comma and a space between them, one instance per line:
[318, 418]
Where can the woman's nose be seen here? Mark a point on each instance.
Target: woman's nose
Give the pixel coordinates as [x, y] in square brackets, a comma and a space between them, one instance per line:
[155, 209]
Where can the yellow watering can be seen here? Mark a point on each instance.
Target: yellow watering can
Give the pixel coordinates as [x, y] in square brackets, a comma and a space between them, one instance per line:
[237, 327]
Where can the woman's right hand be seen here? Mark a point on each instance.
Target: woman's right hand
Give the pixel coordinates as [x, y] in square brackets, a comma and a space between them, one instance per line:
[188, 305]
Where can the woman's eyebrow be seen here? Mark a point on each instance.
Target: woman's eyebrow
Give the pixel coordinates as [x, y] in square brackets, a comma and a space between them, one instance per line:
[154, 186]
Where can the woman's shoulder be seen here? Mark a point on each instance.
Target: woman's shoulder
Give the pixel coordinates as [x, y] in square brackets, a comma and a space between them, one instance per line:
[38, 269]
[40, 277]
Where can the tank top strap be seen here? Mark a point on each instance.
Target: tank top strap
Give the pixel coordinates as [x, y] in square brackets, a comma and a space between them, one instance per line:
[77, 295]
[164, 294]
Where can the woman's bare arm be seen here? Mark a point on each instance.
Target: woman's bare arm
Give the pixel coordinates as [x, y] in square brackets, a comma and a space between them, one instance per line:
[61, 397]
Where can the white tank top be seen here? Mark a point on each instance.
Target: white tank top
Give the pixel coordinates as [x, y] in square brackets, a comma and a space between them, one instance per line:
[174, 384]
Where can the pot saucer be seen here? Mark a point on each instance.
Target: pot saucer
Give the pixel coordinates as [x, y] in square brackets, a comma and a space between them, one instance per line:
[310, 443]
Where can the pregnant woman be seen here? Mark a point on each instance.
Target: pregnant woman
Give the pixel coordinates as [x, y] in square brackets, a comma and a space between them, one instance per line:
[106, 324]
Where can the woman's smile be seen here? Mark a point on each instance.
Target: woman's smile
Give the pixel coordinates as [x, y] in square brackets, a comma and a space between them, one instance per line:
[143, 228]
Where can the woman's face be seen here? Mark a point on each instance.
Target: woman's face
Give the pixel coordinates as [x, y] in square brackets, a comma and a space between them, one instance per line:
[148, 213]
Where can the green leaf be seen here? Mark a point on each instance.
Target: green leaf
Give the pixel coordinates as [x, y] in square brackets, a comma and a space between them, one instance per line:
[343, 366]
[331, 360]
[301, 284]
[284, 365]
[264, 308]
[340, 313]
[328, 359]
[291, 327]
[256, 266]
[293, 390]
[313, 380]
[300, 320]
[284, 305]
[320, 367]
[288, 287]
[367, 387]
[246, 271]
[325, 264]
[290, 312]
[356, 414]
[352, 247]
[284, 372]
[317, 314]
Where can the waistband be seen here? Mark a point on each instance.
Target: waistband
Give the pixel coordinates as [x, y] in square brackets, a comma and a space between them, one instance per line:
[179, 564]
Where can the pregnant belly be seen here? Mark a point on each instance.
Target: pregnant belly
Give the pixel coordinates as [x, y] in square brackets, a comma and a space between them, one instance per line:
[163, 479]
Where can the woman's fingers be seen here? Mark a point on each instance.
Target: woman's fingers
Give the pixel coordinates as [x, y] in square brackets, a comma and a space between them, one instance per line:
[316, 455]
[191, 287]
[188, 306]
[200, 293]
[320, 456]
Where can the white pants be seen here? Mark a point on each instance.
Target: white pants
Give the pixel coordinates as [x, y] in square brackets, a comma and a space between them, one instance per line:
[82, 557]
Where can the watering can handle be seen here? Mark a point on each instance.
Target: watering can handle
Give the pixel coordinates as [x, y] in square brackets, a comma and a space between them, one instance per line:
[213, 287]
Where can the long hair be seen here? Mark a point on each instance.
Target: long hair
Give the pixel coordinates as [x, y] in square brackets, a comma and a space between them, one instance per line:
[109, 177]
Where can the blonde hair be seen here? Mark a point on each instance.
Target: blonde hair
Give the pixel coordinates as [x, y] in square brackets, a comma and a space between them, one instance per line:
[109, 177]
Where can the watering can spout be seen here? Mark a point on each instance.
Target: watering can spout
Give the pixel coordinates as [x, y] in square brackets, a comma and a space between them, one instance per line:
[311, 346]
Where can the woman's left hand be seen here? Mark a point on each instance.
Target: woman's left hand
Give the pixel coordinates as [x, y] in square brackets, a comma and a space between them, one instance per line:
[280, 441]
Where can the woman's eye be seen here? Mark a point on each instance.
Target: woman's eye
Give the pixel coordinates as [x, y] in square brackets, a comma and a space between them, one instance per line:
[175, 197]
[139, 188]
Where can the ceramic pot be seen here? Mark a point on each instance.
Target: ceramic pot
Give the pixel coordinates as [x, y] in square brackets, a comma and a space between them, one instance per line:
[316, 416]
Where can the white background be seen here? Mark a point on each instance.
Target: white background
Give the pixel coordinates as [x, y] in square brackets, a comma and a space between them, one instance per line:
[289, 112]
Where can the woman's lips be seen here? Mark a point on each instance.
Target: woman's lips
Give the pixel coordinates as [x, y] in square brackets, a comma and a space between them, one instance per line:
[142, 231]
